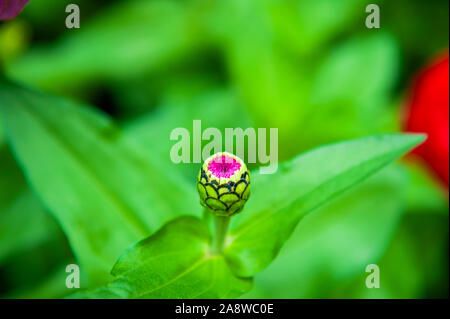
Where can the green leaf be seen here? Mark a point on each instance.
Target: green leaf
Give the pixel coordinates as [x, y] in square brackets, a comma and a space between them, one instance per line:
[318, 101]
[102, 191]
[49, 287]
[306, 26]
[367, 65]
[336, 243]
[24, 223]
[12, 183]
[281, 200]
[173, 263]
[2, 134]
[125, 40]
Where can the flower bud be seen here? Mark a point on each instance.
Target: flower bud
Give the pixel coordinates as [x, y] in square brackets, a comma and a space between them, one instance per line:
[223, 184]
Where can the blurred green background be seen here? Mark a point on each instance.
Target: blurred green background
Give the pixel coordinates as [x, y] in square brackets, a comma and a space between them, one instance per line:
[309, 68]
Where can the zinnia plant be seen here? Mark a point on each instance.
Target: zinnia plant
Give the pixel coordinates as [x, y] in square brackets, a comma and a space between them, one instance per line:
[135, 224]
[224, 186]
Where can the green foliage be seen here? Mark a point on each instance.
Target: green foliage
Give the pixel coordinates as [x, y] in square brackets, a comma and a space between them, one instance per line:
[50, 286]
[175, 261]
[299, 187]
[303, 184]
[24, 223]
[136, 35]
[307, 67]
[78, 153]
[215, 108]
[415, 247]
[368, 215]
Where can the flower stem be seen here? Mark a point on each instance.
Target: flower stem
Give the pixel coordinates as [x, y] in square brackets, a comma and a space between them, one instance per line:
[206, 215]
[220, 233]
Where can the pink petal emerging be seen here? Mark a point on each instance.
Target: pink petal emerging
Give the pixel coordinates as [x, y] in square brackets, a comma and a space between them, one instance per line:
[224, 166]
[9, 9]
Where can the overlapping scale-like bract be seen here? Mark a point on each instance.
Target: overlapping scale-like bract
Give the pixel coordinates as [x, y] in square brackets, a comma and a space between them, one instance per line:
[223, 184]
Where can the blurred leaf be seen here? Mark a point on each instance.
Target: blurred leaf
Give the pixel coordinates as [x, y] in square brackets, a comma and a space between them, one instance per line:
[127, 39]
[268, 79]
[218, 108]
[27, 269]
[422, 30]
[14, 39]
[2, 134]
[24, 224]
[104, 194]
[335, 244]
[52, 286]
[174, 262]
[306, 26]
[302, 185]
[49, 17]
[415, 264]
[425, 195]
[271, 85]
[313, 98]
[12, 183]
[366, 65]
[299, 26]
[143, 94]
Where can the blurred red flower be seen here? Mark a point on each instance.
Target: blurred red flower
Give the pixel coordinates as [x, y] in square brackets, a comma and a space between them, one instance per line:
[427, 111]
[9, 9]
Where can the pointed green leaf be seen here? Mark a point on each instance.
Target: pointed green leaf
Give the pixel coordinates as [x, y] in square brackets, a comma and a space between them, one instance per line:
[336, 243]
[104, 194]
[281, 200]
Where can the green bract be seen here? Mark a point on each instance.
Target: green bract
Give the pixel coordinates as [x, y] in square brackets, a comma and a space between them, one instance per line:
[224, 184]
